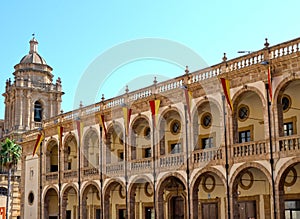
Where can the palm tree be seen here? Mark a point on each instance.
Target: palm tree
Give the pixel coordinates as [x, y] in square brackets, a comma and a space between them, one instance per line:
[10, 155]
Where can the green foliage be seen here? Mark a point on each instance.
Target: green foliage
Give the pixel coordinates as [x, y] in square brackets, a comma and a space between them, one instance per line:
[10, 153]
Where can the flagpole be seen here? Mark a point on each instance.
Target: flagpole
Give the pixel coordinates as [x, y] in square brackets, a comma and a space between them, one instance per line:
[126, 176]
[41, 178]
[154, 166]
[59, 172]
[271, 151]
[79, 157]
[187, 161]
[226, 158]
[101, 175]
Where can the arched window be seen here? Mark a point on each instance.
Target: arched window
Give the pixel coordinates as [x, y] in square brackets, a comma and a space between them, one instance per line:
[38, 111]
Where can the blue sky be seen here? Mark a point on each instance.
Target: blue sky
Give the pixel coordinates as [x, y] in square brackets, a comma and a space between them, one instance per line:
[72, 34]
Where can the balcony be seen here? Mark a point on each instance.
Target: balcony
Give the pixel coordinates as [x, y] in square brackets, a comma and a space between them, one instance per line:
[91, 171]
[52, 177]
[115, 169]
[70, 174]
[289, 145]
[206, 155]
[171, 161]
[141, 166]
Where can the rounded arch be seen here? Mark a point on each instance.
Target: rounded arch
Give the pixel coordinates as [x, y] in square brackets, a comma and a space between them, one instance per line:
[70, 152]
[238, 95]
[91, 148]
[69, 186]
[108, 185]
[165, 112]
[248, 117]
[140, 135]
[256, 174]
[51, 151]
[51, 199]
[207, 124]
[137, 118]
[287, 190]
[205, 100]
[51, 140]
[203, 171]
[175, 183]
[107, 190]
[114, 124]
[69, 136]
[284, 168]
[90, 130]
[49, 188]
[139, 179]
[86, 185]
[248, 165]
[168, 175]
[283, 84]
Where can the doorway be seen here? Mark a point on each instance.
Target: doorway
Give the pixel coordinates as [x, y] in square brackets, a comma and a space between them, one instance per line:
[177, 207]
[247, 209]
[210, 210]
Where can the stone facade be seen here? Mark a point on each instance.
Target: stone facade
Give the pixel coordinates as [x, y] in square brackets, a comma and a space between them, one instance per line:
[199, 159]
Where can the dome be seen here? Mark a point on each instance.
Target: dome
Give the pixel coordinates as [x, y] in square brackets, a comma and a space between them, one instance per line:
[33, 56]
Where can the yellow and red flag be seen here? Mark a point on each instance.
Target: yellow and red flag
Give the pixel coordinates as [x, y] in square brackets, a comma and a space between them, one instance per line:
[226, 87]
[270, 83]
[38, 142]
[127, 114]
[79, 125]
[102, 124]
[60, 131]
[154, 106]
[188, 99]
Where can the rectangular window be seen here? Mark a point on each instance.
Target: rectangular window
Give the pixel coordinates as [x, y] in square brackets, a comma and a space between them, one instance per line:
[147, 152]
[175, 148]
[121, 156]
[207, 143]
[244, 136]
[288, 129]
[54, 168]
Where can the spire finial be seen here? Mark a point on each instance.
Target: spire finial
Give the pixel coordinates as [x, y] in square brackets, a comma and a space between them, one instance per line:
[266, 43]
[127, 89]
[33, 44]
[155, 81]
[224, 57]
[186, 69]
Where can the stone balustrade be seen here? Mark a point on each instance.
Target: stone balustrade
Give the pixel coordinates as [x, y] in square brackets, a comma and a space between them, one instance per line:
[206, 155]
[289, 143]
[171, 160]
[250, 149]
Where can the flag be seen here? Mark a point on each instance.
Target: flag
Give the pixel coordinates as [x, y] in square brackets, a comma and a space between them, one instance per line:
[127, 115]
[79, 125]
[154, 106]
[188, 100]
[102, 124]
[38, 142]
[60, 131]
[226, 87]
[270, 82]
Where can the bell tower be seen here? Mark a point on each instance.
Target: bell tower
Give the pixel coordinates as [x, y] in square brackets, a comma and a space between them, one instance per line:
[32, 96]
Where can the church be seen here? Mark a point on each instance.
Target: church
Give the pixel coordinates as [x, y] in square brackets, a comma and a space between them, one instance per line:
[221, 142]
